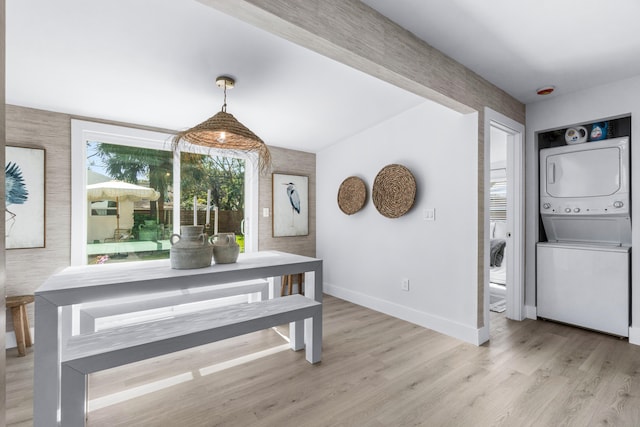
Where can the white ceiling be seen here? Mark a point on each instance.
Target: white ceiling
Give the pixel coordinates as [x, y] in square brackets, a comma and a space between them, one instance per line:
[154, 63]
[523, 45]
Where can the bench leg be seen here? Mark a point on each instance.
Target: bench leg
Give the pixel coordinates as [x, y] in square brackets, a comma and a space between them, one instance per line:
[254, 297]
[313, 335]
[261, 295]
[73, 397]
[87, 323]
[296, 335]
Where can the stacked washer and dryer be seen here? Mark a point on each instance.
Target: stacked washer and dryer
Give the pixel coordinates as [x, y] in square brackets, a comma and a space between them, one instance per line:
[583, 270]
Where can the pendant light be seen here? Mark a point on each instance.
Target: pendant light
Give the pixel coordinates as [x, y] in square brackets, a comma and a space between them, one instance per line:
[223, 131]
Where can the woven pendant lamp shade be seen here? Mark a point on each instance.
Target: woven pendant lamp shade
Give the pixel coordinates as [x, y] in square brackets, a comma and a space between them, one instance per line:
[224, 132]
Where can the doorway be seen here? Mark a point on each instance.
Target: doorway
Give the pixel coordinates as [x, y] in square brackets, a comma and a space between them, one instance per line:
[504, 213]
[498, 214]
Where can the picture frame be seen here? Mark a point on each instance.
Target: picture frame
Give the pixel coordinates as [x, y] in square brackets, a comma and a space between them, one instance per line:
[290, 205]
[25, 197]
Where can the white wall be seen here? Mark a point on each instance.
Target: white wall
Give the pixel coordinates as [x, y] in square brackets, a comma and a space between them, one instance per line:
[602, 102]
[102, 227]
[366, 254]
[498, 148]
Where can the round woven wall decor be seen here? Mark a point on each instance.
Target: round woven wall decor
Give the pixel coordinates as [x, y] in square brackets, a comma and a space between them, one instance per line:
[394, 191]
[352, 195]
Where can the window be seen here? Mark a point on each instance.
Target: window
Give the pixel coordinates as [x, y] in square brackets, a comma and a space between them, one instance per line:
[131, 192]
[104, 208]
[498, 195]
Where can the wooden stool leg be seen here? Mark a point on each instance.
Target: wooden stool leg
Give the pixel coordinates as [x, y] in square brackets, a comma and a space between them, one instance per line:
[301, 283]
[18, 327]
[284, 285]
[25, 327]
[290, 284]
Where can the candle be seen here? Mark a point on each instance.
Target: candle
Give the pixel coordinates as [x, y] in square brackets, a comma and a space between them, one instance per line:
[215, 221]
[195, 210]
[208, 221]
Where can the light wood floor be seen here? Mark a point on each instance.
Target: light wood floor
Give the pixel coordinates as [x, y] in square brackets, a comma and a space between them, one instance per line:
[375, 371]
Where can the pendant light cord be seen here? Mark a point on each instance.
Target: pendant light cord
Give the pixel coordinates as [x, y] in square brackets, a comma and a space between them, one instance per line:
[224, 106]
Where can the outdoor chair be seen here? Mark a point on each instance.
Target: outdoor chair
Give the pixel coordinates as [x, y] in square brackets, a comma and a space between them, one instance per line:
[120, 234]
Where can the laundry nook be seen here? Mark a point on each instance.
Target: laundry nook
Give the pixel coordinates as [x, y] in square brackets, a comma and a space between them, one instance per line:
[583, 257]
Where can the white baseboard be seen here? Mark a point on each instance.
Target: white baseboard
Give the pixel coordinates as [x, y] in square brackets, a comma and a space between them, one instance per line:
[634, 335]
[439, 324]
[530, 312]
[10, 339]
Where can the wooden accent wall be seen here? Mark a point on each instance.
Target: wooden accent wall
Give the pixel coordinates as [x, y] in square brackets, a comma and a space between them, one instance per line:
[294, 163]
[26, 269]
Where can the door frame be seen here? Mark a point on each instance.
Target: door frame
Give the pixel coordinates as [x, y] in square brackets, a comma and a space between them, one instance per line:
[515, 211]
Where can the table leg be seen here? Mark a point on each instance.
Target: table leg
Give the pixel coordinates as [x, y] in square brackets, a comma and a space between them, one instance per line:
[74, 397]
[66, 322]
[275, 284]
[313, 326]
[313, 284]
[46, 364]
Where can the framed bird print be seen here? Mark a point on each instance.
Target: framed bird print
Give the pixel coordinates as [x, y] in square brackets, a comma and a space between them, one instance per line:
[24, 173]
[290, 205]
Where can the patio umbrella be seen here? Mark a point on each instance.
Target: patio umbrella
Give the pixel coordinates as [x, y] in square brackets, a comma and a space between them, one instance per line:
[120, 191]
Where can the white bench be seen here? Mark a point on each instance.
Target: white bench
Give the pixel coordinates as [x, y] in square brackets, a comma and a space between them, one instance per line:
[89, 313]
[85, 354]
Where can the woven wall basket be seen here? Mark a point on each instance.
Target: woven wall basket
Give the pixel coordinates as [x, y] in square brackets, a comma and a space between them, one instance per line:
[394, 191]
[352, 195]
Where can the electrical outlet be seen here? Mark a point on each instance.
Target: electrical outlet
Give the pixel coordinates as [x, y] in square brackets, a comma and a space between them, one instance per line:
[429, 214]
[405, 284]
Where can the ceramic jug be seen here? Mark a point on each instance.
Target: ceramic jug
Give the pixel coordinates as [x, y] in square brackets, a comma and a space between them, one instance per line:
[576, 135]
[225, 248]
[190, 248]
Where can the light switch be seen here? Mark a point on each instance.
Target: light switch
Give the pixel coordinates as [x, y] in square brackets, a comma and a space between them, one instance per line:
[429, 214]
[265, 212]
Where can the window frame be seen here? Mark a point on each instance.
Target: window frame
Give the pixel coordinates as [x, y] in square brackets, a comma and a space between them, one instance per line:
[109, 210]
[83, 131]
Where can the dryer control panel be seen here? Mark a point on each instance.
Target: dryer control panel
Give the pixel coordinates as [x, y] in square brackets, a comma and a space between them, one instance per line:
[584, 206]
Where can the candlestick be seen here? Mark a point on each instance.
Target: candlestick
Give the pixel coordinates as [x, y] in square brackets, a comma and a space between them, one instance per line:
[195, 210]
[215, 221]
[208, 220]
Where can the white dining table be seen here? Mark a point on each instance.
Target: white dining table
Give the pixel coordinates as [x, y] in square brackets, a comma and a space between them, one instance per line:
[82, 284]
